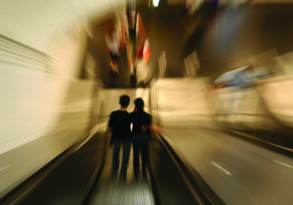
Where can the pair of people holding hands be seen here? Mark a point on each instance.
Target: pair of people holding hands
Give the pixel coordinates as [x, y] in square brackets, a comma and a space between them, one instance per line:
[130, 129]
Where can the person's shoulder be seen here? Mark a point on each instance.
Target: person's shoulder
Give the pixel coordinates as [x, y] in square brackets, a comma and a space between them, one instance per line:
[147, 114]
[122, 113]
[115, 112]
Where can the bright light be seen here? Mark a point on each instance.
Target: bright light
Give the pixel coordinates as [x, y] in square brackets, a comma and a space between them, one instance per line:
[156, 3]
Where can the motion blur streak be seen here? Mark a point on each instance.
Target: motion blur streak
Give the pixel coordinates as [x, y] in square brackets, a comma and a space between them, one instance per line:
[216, 76]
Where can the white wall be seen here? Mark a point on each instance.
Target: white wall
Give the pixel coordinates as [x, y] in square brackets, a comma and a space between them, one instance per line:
[279, 98]
[272, 1]
[36, 22]
[44, 107]
[183, 102]
[43, 111]
[31, 98]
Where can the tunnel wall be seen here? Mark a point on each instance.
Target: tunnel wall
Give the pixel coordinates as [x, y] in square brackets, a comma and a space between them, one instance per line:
[45, 108]
[39, 45]
[239, 36]
[236, 35]
[183, 102]
[36, 23]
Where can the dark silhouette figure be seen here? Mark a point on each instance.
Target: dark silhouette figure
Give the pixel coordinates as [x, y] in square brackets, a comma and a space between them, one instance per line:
[141, 137]
[119, 124]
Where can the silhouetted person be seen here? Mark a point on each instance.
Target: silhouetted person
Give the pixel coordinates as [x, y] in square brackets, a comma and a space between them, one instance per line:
[119, 124]
[141, 137]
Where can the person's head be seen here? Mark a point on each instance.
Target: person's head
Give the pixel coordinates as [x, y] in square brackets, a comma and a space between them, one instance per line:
[124, 101]
[139, 104]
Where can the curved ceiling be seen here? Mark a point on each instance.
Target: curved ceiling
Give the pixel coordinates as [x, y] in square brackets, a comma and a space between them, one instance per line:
[35, 22]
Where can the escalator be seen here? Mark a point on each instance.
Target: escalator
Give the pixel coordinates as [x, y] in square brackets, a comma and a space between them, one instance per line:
[84, 177]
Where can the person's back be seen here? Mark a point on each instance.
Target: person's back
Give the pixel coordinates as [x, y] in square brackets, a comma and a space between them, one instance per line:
[141, 122]
[120, 125]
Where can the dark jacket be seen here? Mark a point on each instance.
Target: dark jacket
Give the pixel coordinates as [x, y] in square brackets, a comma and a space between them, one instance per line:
[119, 124]
[141, 122]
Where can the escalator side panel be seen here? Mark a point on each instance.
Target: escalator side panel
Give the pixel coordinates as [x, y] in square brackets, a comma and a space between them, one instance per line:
[67, 184]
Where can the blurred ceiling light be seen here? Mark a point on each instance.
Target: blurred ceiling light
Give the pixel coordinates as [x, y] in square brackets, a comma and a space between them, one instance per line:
[156, 3]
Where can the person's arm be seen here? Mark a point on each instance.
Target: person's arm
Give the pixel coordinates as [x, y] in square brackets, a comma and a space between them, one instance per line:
[110, 128]
[154, 128]
[111, 121]
[150, 125]
[150, 121]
